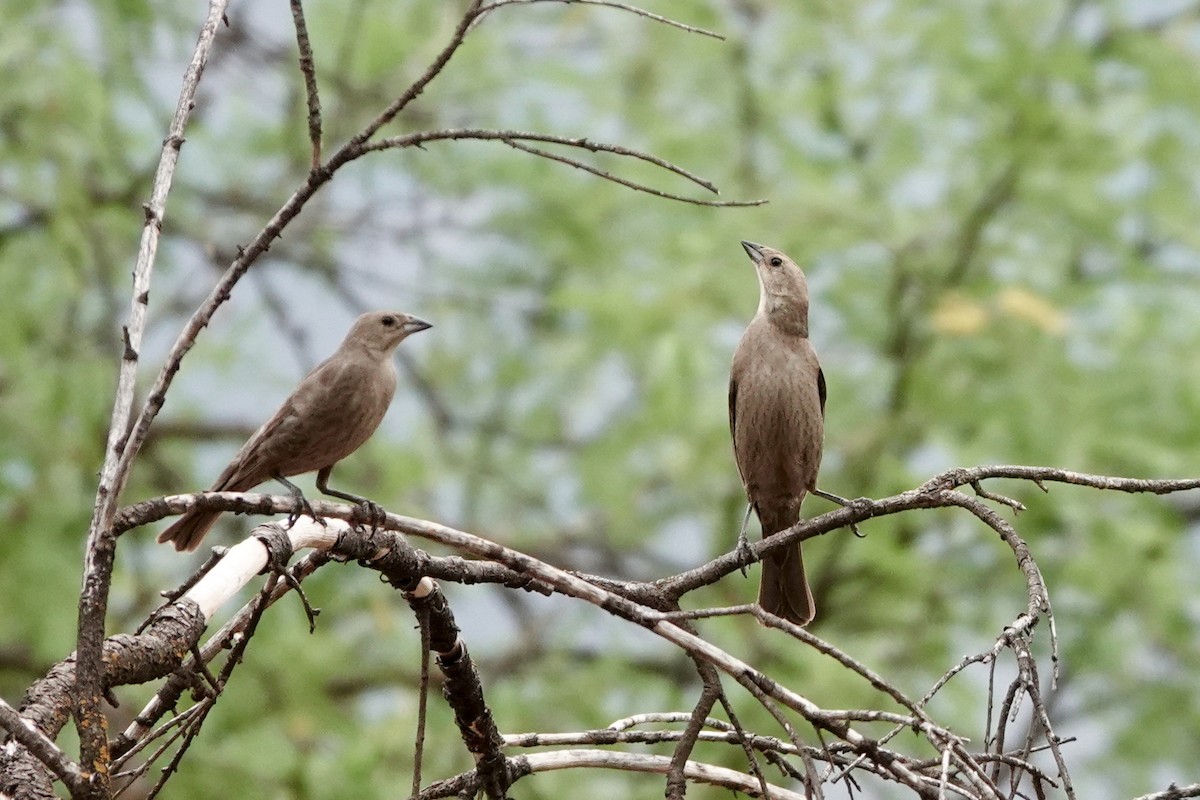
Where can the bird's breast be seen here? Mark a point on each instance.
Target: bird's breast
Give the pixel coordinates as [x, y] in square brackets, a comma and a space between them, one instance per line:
[778, 424]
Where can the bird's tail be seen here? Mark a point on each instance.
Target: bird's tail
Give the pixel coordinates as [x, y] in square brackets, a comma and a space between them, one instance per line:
[188, 530]
[783, 589]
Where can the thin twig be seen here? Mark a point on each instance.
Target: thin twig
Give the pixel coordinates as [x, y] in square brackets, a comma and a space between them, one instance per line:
[422, 614]
[1028, 668]
[741, 733]
[1039, 475]
[640, 187]
[174, 729]
[309, 68]
[1015, 505]
[676, 779]
[510, 136]
[820, 645]
[641, 12]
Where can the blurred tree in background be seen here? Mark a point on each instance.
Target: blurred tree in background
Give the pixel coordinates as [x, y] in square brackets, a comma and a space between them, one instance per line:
[996, 204]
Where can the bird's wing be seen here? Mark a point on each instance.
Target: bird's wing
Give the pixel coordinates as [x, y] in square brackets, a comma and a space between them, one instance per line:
[821, 389]
[733, 390]
[247, 470]
[733, 394]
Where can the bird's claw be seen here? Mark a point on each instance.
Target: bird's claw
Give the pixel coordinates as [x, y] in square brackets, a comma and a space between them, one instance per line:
[746, 552]
[302, 508]
[372, 512]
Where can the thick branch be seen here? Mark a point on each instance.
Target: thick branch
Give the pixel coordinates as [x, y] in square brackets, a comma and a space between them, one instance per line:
[152, 654]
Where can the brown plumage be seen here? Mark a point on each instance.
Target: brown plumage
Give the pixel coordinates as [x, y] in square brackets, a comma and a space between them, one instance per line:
[776, 416]
[332, 413]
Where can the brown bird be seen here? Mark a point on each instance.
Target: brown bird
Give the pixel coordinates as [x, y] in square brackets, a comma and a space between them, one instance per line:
[332, 413]
[777, 419]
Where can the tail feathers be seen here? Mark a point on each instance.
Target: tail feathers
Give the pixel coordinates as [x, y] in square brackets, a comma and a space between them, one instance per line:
[187, 531]
[783, 589]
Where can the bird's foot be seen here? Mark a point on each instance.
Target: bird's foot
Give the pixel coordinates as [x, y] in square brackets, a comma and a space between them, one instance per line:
[745, 552]
[743, 544]
[300, 508]
[367, 511]
[858, 504]
[300, 504]
[372, 512]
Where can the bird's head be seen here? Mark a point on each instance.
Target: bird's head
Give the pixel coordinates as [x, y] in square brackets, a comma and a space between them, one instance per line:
[783, 289]
[380, 331]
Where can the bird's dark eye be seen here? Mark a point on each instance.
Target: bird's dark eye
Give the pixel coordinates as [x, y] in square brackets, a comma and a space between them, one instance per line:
[388, 321]
[776, 262]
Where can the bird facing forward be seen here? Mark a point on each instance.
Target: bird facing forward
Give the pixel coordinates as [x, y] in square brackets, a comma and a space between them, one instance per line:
[332, 413]
[777, 419]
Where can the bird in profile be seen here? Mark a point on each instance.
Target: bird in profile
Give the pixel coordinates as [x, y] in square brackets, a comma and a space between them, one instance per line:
[777, 420]
[332, 413]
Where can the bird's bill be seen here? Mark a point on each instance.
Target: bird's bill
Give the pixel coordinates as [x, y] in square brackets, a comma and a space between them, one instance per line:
[416, 325]
[755, 251]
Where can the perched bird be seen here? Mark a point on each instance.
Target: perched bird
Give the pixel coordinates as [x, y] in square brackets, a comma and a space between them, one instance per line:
[777, 419]
[333, 411]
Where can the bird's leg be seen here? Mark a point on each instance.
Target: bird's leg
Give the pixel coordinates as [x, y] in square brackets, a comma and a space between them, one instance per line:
[844, 503]
[743, 544]
[301, 504]
[371, 511]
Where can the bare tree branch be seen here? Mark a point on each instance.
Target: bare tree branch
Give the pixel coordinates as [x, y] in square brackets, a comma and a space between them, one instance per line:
[514, 139]
[101, 541]
[309, 69]
[1173, 792]
[641, 12]
[640, 187]
[1038, 475]
[629, 762]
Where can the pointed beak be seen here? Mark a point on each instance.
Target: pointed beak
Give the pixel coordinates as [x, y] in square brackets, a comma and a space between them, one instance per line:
[416, 325]
[755, 251]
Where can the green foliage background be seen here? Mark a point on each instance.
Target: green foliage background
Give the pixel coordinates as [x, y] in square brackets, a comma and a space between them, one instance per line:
[996, 203]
